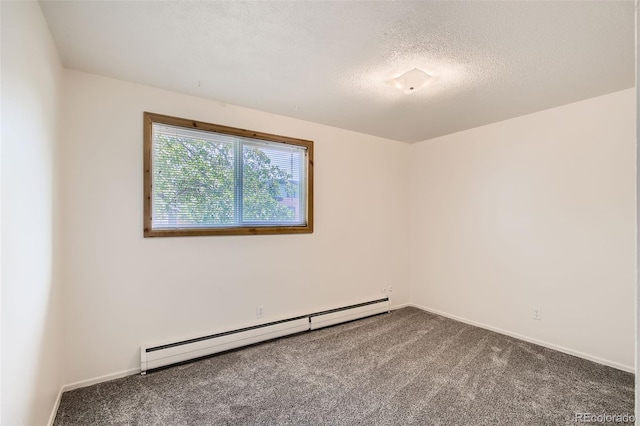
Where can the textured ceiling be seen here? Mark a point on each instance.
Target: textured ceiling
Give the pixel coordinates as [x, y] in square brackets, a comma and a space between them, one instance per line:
[328, 62]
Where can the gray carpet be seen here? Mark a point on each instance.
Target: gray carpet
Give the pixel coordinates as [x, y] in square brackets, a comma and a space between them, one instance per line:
[404, 368]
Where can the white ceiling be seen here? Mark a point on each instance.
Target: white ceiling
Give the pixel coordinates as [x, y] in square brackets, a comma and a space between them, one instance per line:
[328, 62]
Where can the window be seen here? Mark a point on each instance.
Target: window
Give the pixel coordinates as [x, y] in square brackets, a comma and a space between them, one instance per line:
[206, 179]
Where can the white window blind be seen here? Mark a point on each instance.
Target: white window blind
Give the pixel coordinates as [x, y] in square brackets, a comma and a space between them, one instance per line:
[205, 179]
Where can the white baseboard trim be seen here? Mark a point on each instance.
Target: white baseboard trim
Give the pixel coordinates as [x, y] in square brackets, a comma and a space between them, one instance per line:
[630, 369]
[403, 305]
[100, 379]
[85, 383]
[52, 417]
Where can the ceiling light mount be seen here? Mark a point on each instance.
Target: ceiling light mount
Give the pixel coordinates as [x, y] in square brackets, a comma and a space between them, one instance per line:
[411, 81]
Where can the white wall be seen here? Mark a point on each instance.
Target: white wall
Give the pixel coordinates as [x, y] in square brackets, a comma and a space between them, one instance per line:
[124, 290]
[536, 211]
[31, 317]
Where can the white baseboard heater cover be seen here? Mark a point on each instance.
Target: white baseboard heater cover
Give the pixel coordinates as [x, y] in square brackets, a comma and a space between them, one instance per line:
[163, 355]
[337, 316]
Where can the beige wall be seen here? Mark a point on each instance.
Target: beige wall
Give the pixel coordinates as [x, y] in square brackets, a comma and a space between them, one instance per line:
[31, 317]
[536, 211]
[124, 290]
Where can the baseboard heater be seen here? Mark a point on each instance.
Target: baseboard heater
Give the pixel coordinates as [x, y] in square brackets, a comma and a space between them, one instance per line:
[163, 355]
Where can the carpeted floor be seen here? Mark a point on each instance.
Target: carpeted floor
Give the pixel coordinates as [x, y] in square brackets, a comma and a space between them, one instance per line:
[405, 368]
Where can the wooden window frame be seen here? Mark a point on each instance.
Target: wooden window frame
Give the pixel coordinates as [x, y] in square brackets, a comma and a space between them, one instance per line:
[151, 118]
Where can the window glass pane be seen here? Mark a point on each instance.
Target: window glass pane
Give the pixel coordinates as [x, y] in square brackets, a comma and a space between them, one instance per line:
[193, 178]
[271, 183]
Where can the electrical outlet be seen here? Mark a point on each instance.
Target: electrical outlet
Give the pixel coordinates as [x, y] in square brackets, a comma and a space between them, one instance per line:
[390, 289]
[537, 314]
[259, 311]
